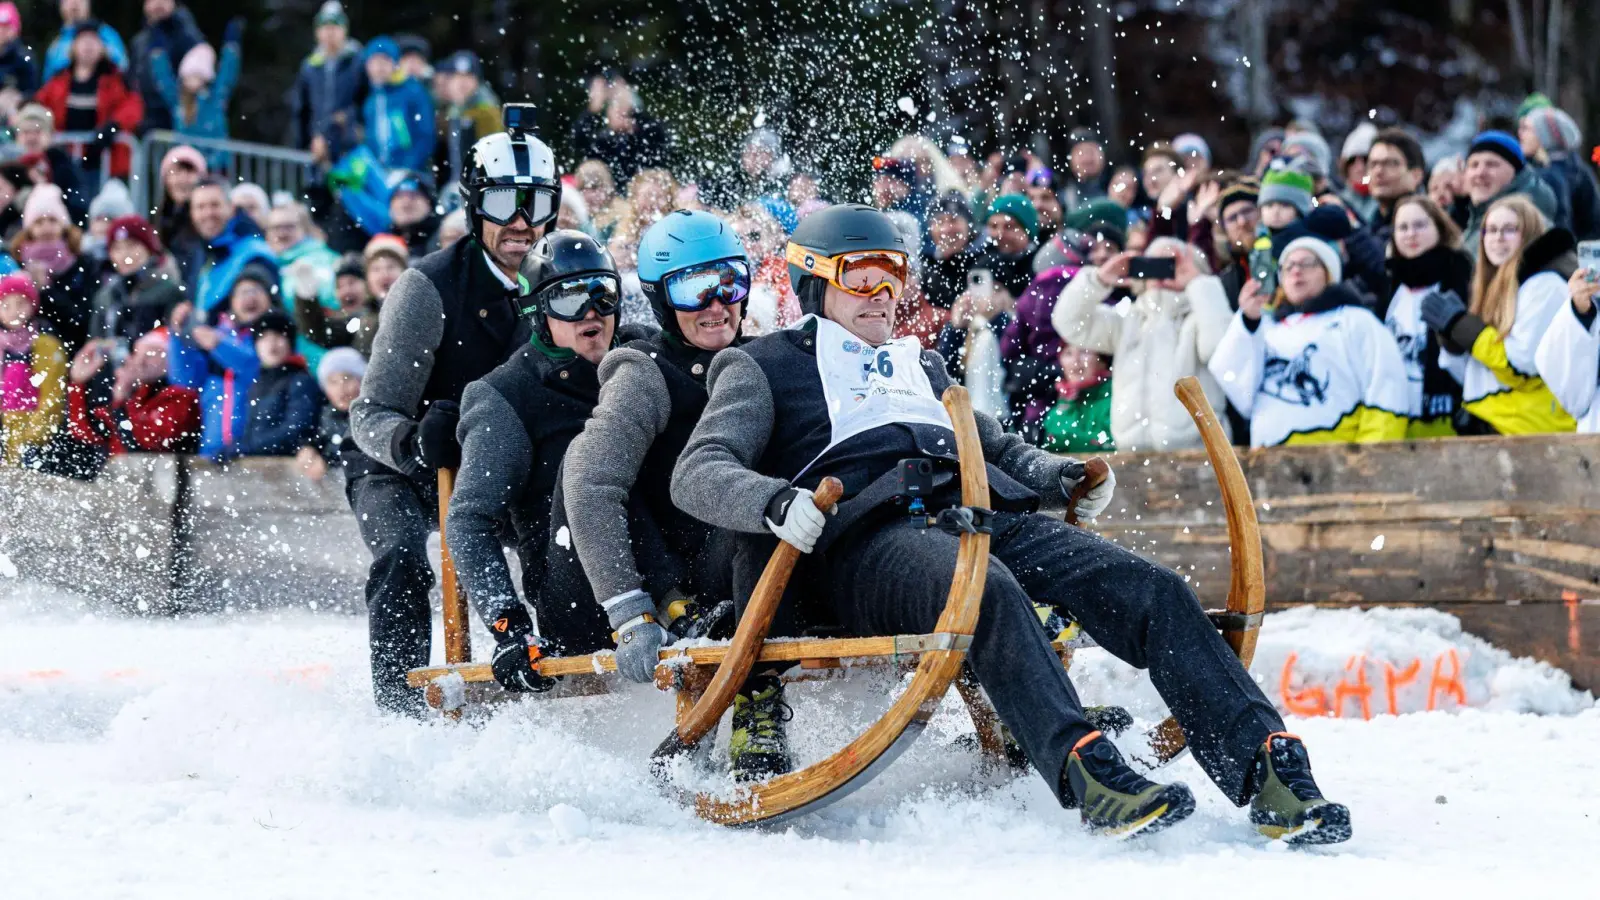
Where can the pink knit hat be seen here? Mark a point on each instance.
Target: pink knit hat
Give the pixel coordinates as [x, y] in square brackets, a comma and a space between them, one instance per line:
[20, 283]
[45, 201]
[200, 61]
[185, 155]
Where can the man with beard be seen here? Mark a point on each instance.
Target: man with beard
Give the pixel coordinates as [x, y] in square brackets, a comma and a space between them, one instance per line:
[446, 322]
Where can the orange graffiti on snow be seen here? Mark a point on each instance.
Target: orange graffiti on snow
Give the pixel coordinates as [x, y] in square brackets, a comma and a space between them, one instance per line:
[1314, 700]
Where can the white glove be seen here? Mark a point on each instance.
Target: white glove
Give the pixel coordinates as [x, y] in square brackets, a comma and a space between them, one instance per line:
[793, 516]
[1095, 502]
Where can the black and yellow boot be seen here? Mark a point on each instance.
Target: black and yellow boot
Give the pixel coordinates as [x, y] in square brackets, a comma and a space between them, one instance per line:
[1288, 806]
[1115, 800]
[759, 746]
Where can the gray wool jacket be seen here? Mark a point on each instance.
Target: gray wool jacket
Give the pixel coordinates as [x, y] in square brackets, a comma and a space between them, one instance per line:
[715, 480]
[410, 329]
[603, 462]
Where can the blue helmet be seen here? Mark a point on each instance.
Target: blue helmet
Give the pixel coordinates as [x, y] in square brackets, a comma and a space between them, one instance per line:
[682, 240]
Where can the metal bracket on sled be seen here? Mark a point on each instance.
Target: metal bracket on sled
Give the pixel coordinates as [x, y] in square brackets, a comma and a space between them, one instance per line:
[959, 520]
[1231, 621]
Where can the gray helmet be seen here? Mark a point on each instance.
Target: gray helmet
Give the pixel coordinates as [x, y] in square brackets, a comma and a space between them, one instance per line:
[841, 228]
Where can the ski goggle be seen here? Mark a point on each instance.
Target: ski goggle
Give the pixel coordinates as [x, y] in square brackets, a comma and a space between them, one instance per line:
[501, 204]
[726, 281]
[863, 273]
[571, 299]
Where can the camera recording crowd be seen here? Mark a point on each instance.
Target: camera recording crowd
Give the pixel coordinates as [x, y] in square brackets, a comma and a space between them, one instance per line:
[1359, 294]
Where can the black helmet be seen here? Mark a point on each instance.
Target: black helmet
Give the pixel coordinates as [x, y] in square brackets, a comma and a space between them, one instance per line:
[841, 228]
[568, 265]
[523, 167]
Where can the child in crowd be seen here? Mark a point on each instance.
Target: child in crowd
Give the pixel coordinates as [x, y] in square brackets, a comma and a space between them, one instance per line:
[144, 289]
[385, 256]
[1080, 422]
[131, 408]
[284, 398]
[340, 376]
[47, 248]
[198, 94]
[355, 320]
[1286, 197]
[33, 374]
[220, 361]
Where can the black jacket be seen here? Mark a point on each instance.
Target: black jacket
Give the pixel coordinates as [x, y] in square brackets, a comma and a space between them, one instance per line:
[283, 411]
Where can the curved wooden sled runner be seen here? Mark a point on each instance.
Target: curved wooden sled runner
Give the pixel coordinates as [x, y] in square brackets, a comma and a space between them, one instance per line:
[689, 671]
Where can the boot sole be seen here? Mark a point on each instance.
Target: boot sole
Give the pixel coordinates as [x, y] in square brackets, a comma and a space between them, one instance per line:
[1328, 823]
[1177, 804]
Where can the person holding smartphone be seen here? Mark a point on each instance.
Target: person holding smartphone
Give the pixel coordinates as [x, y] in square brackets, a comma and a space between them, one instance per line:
[1173, 327]
[1568, 358]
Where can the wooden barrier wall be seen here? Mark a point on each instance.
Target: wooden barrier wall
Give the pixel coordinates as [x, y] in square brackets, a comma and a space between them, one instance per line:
[1503, 532]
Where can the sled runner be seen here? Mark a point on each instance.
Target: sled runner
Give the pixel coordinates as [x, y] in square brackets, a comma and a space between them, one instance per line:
[705, 678]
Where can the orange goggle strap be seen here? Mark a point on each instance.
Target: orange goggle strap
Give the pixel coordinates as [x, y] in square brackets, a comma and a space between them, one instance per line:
[827, 267]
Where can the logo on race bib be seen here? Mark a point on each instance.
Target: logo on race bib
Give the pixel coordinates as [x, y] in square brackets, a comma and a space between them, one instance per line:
[852, 347]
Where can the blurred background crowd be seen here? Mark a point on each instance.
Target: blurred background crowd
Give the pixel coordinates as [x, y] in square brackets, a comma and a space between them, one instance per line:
[1348, 287]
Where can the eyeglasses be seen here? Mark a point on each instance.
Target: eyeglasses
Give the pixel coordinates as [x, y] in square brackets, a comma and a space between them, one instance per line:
[1300, 265]
[726, 281]
[571, 299]
[862, 274]
[1503, 231]
[1386, 162]
[1244, 213]
[536, 203]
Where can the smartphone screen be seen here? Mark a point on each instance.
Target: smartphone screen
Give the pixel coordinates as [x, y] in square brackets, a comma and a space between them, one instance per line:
[1152, 267]
[980, 281]
[1589, 257]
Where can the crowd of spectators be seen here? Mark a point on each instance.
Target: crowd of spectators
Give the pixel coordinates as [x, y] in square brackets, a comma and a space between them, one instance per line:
[1361, 295]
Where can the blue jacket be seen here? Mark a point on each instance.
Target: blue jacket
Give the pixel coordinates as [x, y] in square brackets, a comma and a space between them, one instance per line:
[217, 265]
[59, 56]
[398, 118]
[223, 377]
[283, 407]
[325, 100]
[176, 35]
[211, 106]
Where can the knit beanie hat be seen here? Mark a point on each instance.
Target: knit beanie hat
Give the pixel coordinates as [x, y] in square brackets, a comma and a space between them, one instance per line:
[1243, 190]
[113, 202]
[275, 320]
[44, 201]
[352, 265]
[245, 191]
[1358, 143]
[1261, 140]
[1557, 131]
[1326, 253]
[1532, 102]
[133, 228]
[261, 274]
[1017, 207]
[20, 283]
[1316, 150]
[1289, 186]
[200, 62]
[383, 45]
[340, 361]
[184, 155]
[1097, 214]
[387, 243]
[1189, 142]
[1501, 144]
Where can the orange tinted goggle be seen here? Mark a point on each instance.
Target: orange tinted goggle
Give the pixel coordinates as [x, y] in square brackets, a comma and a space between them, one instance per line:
[862, 274]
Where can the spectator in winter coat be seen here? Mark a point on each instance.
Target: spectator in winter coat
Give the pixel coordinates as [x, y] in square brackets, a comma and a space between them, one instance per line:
[58, 56]
[112, 203]
[1552, 137]
[220, 361]
[351, 323]
[1169, 330]
[1519, 284]
[199, 92]
[33, 374]
[131, 408]
[339, 376]
[1568, 358]
[1237, 211]
[144, 289]
[1030, 348]
[232, 241]
[41, 162]
[1012, 227]
[386, 256]
[952, 251]
[628, 140]
[397, 117]
[1080, 421]
[324, 105]
[168, 27]
[1395, 170]
[1319, 368]
[468, 110]
[1424, 256]
[1360, 251]
[1287, 195]
[91, 95]
[1496, 168]
[181, 169]
[307, 265]
[412, 214]
[284, 399]
[47, 247]
[1088, 176]
[19, 70]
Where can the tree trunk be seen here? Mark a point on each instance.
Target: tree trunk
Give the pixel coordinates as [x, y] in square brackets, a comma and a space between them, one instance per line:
[1550, 80]
[1103, 76]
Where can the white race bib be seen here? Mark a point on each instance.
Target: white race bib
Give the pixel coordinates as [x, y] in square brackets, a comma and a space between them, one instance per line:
[867, 387]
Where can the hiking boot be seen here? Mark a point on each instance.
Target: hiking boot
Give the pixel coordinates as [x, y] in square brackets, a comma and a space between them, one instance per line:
[759, 746]
[1114, 799]
[1288, 806]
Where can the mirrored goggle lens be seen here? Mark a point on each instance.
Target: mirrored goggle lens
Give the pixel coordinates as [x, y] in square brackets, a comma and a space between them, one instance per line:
[695, 288]
[500, 204]
[572, 299]
[866, 273]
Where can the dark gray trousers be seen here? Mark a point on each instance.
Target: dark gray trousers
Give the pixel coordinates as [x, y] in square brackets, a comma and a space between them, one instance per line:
[395, 515]
[894, 579]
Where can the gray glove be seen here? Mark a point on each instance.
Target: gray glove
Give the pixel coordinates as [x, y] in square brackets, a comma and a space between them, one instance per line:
[639, 638]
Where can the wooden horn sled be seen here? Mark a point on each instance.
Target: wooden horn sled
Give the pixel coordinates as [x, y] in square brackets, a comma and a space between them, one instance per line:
[705, 678]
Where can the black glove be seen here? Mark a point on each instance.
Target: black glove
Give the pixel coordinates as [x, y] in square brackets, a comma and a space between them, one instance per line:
[234, 31]
[517, 652]
[436, 435]
[1458, 329]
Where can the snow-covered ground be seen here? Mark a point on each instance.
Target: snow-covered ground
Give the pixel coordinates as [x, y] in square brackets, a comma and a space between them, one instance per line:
[240, 758]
